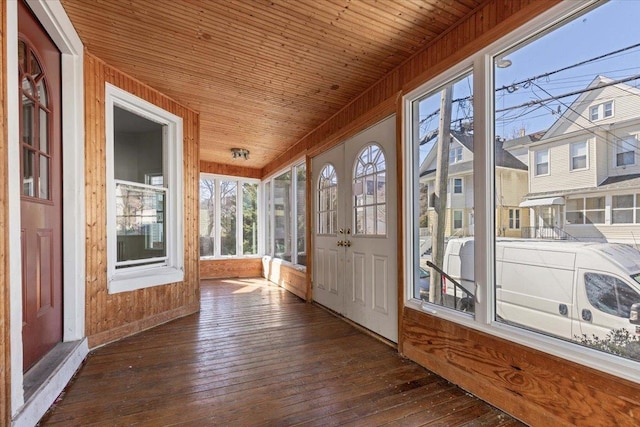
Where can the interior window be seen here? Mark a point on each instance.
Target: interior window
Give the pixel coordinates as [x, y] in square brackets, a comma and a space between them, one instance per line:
[327, 201]
[439, 137]
[140, 207]
[369, 191]
[144, 193]
[555, 110]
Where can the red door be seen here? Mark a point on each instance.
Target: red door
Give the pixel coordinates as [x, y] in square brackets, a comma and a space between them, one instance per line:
[40, 188]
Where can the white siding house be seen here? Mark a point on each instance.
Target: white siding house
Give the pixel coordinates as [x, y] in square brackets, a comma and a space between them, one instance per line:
[511, 186]
[584, 174]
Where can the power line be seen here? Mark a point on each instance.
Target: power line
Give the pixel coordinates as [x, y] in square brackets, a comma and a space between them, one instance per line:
[512, 86]
[565, 95]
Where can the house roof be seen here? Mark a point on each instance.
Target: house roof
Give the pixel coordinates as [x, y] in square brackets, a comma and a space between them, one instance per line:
[503, 157]
[523, 141]
[577, 109]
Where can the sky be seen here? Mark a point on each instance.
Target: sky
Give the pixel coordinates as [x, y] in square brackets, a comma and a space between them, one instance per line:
[612, 26]
[608, 28]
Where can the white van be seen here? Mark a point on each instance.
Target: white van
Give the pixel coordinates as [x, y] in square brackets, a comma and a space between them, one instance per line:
[563, 288]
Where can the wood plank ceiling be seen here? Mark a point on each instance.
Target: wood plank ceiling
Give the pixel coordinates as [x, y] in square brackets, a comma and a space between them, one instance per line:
[261, 73]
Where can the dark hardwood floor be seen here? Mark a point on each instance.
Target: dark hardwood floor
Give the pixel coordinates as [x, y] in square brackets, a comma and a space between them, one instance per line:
[257, 355]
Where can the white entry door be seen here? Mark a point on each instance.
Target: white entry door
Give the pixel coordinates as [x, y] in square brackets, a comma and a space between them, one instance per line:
[355, 225]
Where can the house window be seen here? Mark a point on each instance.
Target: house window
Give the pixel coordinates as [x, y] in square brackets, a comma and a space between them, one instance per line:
[514, 219]
[286, 215]
[594, 210]
[626, 149]
[455, 155]
[601, 111]
[588, 210]
[579, 155]
[575, 211]
[457, 185]
[542, 162]
[608, 109]
[228, 216]
[457, 220]
[144, 193]
[622, 209]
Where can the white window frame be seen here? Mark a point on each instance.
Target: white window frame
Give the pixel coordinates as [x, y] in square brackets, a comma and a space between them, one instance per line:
[453, 219]
[536, 162]
[605, 109]
[573, 155]
[514, 219]
[217, 179]
[484, 196]
[171, 270]
[599, 112]
[456, 187]
[634, 209]
[627, 144]
[270, 218]
[455, 154]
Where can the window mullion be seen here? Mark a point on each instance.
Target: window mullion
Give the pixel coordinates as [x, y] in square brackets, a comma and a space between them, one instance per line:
[484, 188]
[294, 214]
[239, 217]
[216, 217]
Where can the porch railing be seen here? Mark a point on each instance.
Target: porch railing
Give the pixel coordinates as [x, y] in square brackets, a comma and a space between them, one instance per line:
[549, 233]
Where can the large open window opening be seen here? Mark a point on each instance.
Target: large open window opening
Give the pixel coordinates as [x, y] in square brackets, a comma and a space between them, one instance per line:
[285, 197]
[553, 262]
[229, 216]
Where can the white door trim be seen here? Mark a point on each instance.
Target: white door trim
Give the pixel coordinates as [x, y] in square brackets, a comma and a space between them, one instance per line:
[54, 19]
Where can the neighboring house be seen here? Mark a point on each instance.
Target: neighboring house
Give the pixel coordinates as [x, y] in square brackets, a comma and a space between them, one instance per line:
[584, 179]
[511, 186]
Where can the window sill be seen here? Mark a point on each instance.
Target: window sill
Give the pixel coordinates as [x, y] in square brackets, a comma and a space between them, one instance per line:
[298, 267]
[131, 281]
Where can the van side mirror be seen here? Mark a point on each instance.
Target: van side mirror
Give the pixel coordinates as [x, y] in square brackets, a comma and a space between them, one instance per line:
[634, 314]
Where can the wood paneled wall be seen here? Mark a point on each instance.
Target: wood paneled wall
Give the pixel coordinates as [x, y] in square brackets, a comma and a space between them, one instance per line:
[5, 333]
[540, 389]
[225, 268]
[534, 386]
[113, 316]
[286, 275]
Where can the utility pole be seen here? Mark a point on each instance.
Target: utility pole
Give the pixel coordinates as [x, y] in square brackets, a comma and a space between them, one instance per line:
[440, 196]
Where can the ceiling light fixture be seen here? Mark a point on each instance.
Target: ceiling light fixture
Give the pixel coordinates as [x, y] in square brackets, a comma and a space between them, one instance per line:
[240, 152]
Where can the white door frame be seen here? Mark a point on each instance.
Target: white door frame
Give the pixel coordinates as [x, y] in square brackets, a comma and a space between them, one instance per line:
[361, 307]
[55, 21]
